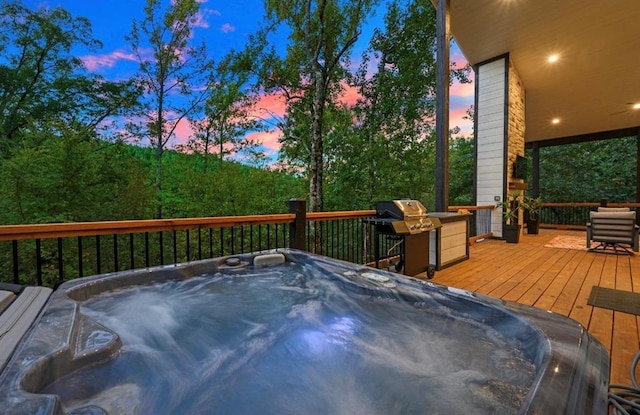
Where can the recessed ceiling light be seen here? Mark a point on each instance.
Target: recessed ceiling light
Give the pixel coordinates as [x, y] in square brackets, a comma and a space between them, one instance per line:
[555, 121]
[636, 106]
[553, 58]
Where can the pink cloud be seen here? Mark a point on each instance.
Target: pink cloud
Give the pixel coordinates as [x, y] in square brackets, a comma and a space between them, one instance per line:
[227, 27]
[456, 119]
[95, 62]
[349, 95]
[182, 132]
[269, 106]
[268, 139]
[462, 90]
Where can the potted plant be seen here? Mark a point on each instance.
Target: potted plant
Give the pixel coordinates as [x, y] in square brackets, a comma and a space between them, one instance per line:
[510, 227]
[532, 206]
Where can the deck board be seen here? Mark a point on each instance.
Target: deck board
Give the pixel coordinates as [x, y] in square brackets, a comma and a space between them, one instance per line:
[559, 280]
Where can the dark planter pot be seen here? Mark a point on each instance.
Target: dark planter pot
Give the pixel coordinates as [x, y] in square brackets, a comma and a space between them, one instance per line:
[533, 226]
[511, 233]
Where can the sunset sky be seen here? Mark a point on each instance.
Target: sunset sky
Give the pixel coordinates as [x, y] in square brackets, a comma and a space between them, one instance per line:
[224, 25]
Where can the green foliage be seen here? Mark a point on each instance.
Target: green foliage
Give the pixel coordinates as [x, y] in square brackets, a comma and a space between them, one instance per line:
[590, 171]
[225, 188]
[42, 80]
[226, 114]
[461, 171]
[176, 68]
[510, 208]
[74, 179]
[532, 206]
[321, 35]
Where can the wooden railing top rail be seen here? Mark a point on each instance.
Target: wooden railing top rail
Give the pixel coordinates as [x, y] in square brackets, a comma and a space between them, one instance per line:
[590, 204]
[348, 214]
[61, 230]
[481, 207]
[73, 229]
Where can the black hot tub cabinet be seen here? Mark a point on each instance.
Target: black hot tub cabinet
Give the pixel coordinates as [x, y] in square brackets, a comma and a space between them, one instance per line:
[288, 332]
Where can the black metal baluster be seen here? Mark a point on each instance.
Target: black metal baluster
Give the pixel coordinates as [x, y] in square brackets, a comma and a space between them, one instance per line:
[175, 247]
[221, 242]
[284, 235]
[242, 251]
[251, 248]
[260, 237]
[332, 239]
[16, 273]
[131, 253]
[60, 261]
[161, 243]
[188, 245]
[324, 235]
[233, 240]
[276, 234]
[268, 236]
[116, 266]
[146, 249]
[199, 243]
[343, 238]
[80, 261]
[210, 242]
[38, 262]
[98, 256]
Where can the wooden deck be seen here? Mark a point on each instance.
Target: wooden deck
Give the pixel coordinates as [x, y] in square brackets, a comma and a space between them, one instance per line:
[559, 280]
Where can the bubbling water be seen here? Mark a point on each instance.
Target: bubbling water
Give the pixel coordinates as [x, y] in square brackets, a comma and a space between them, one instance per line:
[289, 341]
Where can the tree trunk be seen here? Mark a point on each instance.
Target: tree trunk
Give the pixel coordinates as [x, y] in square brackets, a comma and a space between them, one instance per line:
[317, 165]
[159, 182]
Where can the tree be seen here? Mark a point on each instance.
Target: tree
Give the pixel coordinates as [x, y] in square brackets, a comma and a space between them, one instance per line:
[42, 81]
[609, 165]
[322, 33]
[174, 76]
[461, 171]
[72, 177]
[389, 152]
[392, 140]
[226, 117]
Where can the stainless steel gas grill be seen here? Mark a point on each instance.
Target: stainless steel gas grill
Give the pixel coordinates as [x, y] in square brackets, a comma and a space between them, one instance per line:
[408, 223]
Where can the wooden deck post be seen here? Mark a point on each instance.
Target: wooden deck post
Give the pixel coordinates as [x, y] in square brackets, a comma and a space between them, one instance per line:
[443, 37]
[298, 229]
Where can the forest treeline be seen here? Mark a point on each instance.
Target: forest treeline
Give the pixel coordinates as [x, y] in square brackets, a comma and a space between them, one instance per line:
[75, 146]
[69, 138]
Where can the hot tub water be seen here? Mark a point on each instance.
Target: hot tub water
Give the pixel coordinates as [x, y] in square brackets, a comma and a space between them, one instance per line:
[291, 340]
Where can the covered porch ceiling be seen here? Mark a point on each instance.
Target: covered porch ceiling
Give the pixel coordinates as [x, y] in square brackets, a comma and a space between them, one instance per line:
[595, 82]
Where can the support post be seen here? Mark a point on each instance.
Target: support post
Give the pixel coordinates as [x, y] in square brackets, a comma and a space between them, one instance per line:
[535, 149]
[638, 175]
[298, 229]
[442, 105]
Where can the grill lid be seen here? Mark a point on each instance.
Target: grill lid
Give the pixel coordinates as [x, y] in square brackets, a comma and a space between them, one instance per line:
[404, 217]
[401, 209]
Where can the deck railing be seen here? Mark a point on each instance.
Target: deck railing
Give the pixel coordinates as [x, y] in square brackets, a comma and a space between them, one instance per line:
[46, 254]
[574, 215]
[479, 221]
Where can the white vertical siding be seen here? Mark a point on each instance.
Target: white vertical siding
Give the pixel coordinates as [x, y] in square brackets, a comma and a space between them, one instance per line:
[490, 112]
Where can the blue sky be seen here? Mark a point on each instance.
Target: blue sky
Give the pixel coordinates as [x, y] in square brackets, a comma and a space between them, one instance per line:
[224, 25]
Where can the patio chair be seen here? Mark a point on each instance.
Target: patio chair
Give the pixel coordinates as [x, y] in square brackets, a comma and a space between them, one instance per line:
[613, 209]
[613, 231]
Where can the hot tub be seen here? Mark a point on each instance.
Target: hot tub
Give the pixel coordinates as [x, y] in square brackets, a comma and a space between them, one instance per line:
[287, 332]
